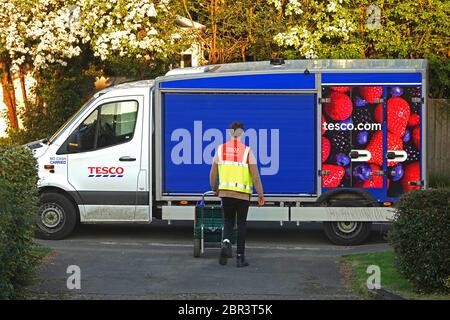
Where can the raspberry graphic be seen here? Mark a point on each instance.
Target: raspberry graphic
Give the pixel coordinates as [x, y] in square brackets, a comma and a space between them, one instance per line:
[333, 179]
[340, 106]
[412, 174]
[326, 147]
[370, 94]
[340, 89]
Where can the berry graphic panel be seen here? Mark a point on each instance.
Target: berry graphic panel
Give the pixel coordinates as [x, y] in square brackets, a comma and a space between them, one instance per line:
[404, 124]
[352, 120]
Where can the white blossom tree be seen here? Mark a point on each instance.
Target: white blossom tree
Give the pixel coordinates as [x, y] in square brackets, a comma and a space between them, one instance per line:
[314, 24]
[47, 32]
[38, 35]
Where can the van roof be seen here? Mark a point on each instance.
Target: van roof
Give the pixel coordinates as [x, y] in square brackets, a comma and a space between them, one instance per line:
[127, 85]
[289, 65]
[311, 65]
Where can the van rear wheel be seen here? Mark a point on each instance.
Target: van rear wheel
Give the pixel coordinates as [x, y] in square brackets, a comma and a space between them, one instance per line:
[347, 233]
[57, 217]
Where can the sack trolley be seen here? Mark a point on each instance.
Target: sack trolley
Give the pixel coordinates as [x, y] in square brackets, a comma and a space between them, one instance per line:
[208, 225]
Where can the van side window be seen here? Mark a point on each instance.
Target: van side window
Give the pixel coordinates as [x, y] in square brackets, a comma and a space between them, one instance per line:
[116, 123]
[84, 139]
[108, 125]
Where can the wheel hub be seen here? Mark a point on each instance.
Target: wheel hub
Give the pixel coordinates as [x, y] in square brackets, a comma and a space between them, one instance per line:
[51, 216]
[347, 226]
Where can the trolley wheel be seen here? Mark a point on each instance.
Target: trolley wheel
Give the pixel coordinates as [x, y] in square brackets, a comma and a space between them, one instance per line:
[197, 248]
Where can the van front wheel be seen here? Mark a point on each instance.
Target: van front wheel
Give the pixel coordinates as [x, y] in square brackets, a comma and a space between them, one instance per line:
[57, 217]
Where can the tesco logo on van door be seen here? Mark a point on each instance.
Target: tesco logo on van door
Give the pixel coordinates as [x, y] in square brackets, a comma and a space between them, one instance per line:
[105, 172]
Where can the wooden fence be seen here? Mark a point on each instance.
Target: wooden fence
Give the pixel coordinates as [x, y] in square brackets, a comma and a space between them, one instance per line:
[438, 144]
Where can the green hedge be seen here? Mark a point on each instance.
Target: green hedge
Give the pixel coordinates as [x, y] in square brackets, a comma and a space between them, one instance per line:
[421, 238]
[18, 205]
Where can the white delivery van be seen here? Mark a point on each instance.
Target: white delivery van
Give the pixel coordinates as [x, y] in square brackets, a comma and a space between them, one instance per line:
[337, 141]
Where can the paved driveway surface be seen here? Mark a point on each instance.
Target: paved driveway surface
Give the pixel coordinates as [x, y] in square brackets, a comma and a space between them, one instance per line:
[155, 262]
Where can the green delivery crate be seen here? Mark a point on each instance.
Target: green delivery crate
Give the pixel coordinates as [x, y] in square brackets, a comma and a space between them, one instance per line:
[208, 225]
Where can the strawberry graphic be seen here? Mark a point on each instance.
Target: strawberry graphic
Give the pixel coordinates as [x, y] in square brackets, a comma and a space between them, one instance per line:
[340, 106]
[416, 136]
[394, 143]
[414, 120]
[412, 173]
[378, 114]
[375, 147]
[375, 181]
[323, 121]
[370, 94]
[326, 147]
[397, 115]
[340, 89]
[333, 179]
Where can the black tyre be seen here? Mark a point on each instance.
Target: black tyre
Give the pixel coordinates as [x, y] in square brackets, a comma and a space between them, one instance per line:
[57, 217]
[197, 248]
[348, 233]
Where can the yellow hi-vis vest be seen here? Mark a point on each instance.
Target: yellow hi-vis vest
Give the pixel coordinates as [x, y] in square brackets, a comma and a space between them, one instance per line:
[233, 161]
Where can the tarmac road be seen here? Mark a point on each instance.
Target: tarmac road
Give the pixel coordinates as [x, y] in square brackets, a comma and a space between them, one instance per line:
[155, 262]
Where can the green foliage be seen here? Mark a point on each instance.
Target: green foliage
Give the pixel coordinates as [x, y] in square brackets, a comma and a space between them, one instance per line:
[237, 30]
[406, 30]
[439, 77]
[18, 206]
[60, 91]
[420, 238]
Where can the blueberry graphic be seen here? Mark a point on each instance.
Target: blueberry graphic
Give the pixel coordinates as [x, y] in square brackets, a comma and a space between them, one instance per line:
[342, 159]
[362, 137]
[407, 135]
[362, 172]
[359, 102]
[396, 172]
[396, 91]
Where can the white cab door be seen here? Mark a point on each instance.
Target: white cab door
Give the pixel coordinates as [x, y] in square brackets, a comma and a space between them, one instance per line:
[104, 154]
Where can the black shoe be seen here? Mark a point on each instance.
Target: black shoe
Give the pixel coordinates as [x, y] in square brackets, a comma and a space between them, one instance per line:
[225, 253]
[240, 261]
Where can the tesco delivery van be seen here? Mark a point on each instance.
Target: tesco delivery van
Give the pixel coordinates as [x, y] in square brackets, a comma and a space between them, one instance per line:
[336, 141]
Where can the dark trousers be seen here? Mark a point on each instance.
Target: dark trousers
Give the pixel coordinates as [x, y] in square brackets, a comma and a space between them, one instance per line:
[232, 209]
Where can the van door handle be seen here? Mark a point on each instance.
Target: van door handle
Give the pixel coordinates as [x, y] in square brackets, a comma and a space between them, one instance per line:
[127, 158]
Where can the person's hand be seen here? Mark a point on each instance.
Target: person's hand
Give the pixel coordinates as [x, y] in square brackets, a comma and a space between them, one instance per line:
[260, 201]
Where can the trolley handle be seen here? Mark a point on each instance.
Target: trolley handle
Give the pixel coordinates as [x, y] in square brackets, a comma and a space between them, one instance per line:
[201, 203]
[208, 193]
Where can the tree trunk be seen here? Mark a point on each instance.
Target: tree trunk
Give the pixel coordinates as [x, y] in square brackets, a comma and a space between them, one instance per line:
[213, 54]
[24, 90]
[9, 96]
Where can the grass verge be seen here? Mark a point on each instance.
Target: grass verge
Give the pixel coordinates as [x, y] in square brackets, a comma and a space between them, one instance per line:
[40, 254]
[40, 251]
[355, 265]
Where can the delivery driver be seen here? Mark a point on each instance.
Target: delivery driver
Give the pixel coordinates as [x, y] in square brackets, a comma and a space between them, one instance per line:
[235, 166]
